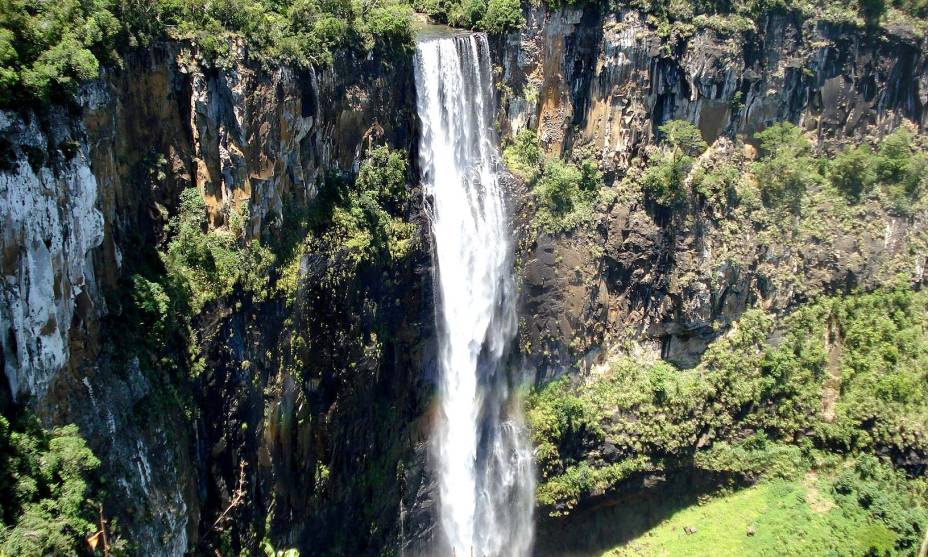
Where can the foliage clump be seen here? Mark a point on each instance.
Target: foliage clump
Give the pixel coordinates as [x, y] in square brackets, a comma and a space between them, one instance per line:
[44, 489]
[213, 263]
[47, 48]
[786, 174]
[787, 167]
[756, 403]
[901, 167]
[493, 16]
[524, 157]
[670, 164]
[898, 169]
[364, 222]
[565, 191]
[852, 173]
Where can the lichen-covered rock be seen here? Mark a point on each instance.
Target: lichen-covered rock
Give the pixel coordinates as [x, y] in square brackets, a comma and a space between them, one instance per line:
[50, 225]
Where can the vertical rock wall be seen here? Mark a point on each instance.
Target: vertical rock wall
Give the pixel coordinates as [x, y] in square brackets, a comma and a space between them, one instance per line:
[599, 84]
[50, 225]
[583, 78]
[85, 190]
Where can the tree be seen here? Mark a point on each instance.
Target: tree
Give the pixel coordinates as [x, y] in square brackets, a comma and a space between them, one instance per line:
[852, 172]
[44, 489]
[502, 16]
[524, 157]
[681, 142]
[902, 168]
[787, 166]
[559, 187]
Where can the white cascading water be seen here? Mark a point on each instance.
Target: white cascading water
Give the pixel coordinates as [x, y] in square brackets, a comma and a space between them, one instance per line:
[484, 465]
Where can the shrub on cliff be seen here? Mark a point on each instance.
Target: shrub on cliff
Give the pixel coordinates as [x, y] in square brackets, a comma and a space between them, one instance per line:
[524, 157]
[211, 263]
[566, 193]
[852, 172]
[787, 166]
[901, 167]
[493, 16]
[671, 162]
[43, 489]
[365, 219]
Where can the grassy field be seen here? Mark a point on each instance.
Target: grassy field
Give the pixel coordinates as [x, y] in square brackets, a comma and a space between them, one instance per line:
[776, 518]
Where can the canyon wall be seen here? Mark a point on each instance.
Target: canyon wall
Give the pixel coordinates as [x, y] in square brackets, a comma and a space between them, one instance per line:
[314, 411]
[597, 86]
[300, 408]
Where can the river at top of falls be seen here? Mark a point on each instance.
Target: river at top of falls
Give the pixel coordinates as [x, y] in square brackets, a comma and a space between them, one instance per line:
[481, 448]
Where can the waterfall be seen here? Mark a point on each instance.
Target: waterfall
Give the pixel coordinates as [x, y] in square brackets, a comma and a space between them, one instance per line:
[483, 457]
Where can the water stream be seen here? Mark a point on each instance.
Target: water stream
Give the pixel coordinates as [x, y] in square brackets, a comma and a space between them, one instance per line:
[482, 454]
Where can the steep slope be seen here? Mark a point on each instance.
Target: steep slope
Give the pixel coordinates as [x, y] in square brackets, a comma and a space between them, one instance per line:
[596, 87]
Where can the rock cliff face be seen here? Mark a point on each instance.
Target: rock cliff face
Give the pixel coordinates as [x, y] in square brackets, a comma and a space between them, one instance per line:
[85, 196]
[594, 84]
[316, 410]
[606, 81]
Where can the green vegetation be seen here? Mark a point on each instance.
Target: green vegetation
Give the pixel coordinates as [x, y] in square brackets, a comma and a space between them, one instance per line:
[354, 221]
[902, 168]
[47, 48]
[676, 20]
[269, 551]
[494, 16]
[43, 489]
[768, 399]
[899, 169]
[566, 192]
[784, 176]
[214, 262]
[524, 157]
[671, 163]
[787, 167]
[363, 226]
[852, 172]
[860, 508]
[502, 16]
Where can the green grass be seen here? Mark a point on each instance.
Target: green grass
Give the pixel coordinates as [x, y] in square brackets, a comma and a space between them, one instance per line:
[787, 518]
[721, 526]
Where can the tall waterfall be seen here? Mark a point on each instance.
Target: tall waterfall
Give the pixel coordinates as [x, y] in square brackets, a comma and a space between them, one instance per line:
[486, 479]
